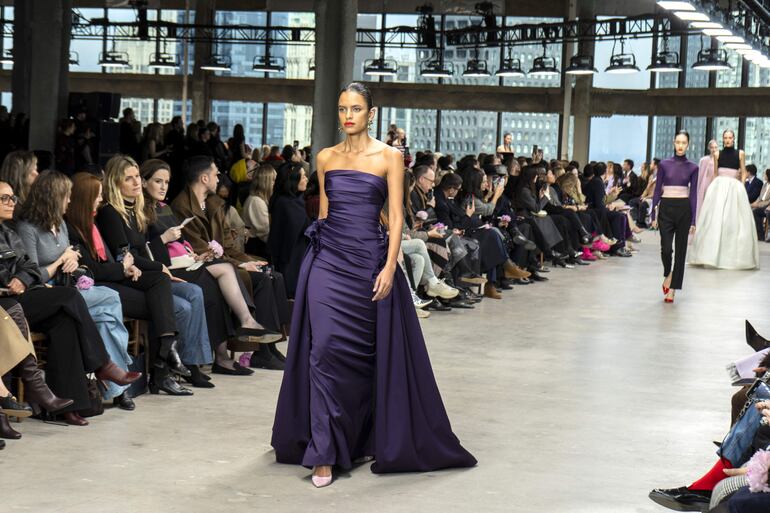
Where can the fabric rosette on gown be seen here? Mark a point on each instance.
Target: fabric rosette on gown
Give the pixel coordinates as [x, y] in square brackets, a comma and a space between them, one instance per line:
[358, 380]
[726, 235]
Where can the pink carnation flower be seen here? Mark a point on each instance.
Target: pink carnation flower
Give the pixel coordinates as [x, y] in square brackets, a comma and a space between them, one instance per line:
[757, 471]
[216, 248]
[84, 283]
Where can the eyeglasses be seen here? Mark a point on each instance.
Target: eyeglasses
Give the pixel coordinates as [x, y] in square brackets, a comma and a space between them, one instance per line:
[7, 199]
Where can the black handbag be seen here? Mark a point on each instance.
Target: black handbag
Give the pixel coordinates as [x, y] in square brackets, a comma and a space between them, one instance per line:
[71, 279]
[96, 405]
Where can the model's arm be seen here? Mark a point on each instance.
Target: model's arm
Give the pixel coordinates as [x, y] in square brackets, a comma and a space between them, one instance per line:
[744, 173]
[323, 201]
[694, 195]
[395, 176]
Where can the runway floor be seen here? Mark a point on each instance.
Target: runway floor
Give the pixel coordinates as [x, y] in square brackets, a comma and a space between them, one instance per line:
[578, 395]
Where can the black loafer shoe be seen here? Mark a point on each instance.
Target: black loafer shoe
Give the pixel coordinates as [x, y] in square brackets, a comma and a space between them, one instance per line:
[124, 402]
[542, 269]
[505, 284]
[460, 303]
[682, 499]
[438, 306]
[522, 281]
[237, 370]
[537, 277]
[265, 360]
[2, 445]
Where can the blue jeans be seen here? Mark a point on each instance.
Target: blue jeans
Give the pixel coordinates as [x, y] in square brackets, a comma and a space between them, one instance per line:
[736, 447]
[104, 306]
[190, 314]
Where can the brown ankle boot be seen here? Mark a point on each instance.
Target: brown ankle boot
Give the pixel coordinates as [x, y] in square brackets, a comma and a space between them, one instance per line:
[491, 292]
[36, 389]
[6, 431]
[514, 272]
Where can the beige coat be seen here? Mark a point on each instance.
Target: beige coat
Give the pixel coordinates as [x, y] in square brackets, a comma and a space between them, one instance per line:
[14, 347]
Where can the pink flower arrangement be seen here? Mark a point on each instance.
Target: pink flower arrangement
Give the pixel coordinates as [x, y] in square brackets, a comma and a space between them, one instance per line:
[505, 218]
[216, 248]
[439, 226]
[84, 283]
[245, 360]
[421, 215]
[756, 473]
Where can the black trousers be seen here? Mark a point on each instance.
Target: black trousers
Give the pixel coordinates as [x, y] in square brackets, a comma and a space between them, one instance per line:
[674, 221]
[148, 299]
[74, 344]
[271, 304]
[759, 219]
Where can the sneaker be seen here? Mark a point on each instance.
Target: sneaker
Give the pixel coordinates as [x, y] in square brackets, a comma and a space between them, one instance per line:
[422, 314]
[420, 302]
[441, 290]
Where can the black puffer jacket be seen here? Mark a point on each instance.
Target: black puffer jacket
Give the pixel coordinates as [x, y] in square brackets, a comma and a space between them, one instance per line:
[14, 261]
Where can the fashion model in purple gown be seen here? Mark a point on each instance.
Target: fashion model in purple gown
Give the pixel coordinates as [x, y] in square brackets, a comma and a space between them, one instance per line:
[358, 381]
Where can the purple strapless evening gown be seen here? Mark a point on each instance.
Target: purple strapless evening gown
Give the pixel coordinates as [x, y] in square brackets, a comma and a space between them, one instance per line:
[358, 380]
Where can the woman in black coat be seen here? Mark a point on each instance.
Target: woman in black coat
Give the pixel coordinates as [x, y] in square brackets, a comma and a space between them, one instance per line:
[74, 344]
[288, 221]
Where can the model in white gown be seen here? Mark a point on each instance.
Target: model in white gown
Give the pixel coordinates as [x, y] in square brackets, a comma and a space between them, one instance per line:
[726, 236]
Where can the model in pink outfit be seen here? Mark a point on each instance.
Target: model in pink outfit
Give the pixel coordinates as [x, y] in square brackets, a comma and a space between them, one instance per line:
[706, 173]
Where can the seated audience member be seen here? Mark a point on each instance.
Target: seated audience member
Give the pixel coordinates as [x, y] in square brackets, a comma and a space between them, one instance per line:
[760, 205]
[573, 199]
[74, 344]
[18, 355]
[268, 291]
[256, 215]
[287, 242]
[232, 217]
[19, 170]
[413, 242]
[46, 241]
[594, 191]
[580, 237]
[753, 184]
[223, 292]
[529, 198]
[458, 215]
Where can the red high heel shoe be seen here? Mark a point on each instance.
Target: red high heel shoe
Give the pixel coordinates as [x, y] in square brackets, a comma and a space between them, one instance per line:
[665, 289]
[668, 299]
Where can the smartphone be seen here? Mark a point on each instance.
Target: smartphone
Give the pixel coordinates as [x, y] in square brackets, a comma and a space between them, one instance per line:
[296, 144]
[534, 149]
[5, 292]
[429, 195]
[758, 391]
[122, 252]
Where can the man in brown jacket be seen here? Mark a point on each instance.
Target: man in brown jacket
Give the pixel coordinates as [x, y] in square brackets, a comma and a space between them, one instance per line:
[199, 200]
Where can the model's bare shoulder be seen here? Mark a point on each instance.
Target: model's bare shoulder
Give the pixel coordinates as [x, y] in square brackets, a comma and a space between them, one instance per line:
[323, 157]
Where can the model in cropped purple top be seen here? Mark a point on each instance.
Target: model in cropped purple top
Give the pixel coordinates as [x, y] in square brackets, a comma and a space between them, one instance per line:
[677, 171]
[673, 211]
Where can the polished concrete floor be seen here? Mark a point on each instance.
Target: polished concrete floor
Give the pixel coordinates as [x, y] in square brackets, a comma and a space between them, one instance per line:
[578, 395]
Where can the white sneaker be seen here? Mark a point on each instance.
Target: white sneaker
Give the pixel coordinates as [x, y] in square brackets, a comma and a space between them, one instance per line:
[422, 314]
[420, 302]
[441, 290]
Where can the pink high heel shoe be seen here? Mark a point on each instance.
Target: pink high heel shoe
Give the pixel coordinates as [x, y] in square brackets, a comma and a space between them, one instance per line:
[320, 482]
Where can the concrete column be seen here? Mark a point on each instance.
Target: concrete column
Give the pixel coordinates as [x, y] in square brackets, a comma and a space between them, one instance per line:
[581, 99]
[335, 44]
[22, 66]
[567, 83]
[199, 86]
[45, 77]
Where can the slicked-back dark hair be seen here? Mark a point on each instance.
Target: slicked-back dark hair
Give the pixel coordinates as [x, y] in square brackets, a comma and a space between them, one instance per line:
[363, 90]
[195, 166]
